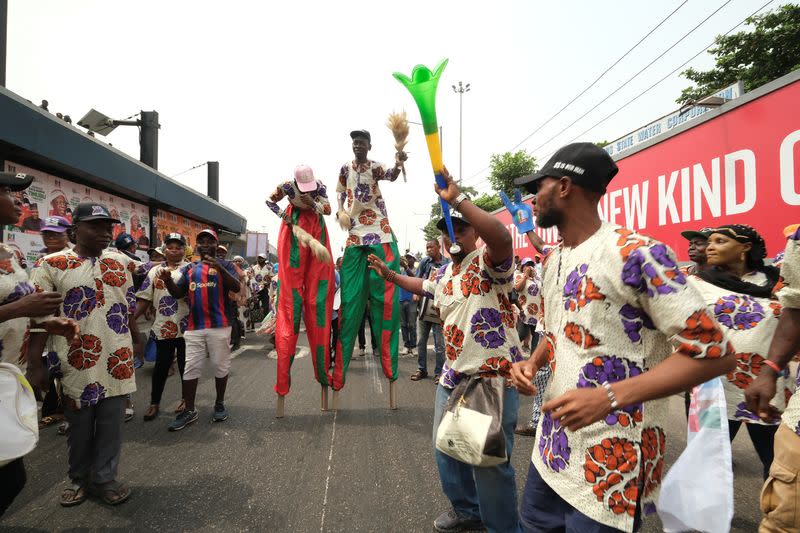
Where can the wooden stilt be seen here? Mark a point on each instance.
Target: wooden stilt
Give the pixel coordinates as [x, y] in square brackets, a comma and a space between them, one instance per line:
[392, 395]
[335, 400]
[323, 398]
[280, 407]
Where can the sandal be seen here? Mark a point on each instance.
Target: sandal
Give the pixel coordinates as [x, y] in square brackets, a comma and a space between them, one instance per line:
[111, 493]
[63, 428]
[181, 407]
[73, 495]
[151, 413]
[47, 421]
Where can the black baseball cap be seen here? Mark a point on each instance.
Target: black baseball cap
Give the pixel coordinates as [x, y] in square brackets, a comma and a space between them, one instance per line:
[442, 225]
[587, 164]
[694, 234]
[16, 181]
[361, 133]
[92, 211]
[175, 237]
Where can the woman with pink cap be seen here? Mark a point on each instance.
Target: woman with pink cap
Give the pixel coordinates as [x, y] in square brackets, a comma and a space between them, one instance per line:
[307, 283]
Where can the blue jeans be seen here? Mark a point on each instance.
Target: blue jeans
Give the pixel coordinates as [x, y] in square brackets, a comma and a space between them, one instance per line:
[408, 323]
[488, 493]
[422, 345]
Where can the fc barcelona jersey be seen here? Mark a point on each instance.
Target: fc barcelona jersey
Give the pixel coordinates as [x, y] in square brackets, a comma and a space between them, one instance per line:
[206, 295]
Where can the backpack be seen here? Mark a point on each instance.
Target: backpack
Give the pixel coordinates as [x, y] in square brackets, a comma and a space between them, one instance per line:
[19, 423]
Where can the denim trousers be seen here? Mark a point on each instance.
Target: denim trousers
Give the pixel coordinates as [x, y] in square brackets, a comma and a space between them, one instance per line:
[423, 331]
[408, 323]
[485, 492]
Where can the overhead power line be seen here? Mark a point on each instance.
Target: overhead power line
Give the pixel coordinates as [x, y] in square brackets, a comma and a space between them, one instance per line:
[621, 85]
[623, 56]
[624, 84]
[189, 169]
[626, 104]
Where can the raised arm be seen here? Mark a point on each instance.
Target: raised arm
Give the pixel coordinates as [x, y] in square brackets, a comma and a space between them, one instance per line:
[498, 240]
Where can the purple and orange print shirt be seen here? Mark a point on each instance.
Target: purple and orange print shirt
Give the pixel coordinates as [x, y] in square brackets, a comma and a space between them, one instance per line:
[171, 314]
[478, 321]
[359, 196]
[750, 324]
[612, 308]
[99, 296]
[789, 297]
[14, 285]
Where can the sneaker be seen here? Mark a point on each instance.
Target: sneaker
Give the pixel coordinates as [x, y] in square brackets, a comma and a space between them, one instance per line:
[183, 419]
[362, 351]
[418, 375]
[450, 522]
[220, 413]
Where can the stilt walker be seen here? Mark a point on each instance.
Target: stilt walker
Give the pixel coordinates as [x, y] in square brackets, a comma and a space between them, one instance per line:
[306, 273]
[362, 212]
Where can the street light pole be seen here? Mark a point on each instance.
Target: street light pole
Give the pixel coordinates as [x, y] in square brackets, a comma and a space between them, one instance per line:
[460, 90]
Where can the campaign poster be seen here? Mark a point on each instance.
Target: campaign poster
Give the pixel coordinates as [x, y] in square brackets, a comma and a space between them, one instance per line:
[51, 195]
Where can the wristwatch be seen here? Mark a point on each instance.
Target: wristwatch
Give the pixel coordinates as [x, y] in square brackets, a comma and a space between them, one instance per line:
[457, 202]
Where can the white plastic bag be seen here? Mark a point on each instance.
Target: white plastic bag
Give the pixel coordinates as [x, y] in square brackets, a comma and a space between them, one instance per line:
[19, 425]
[697, 492]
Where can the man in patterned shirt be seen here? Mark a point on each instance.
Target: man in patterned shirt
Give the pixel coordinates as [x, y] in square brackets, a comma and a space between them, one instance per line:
[96, 369]
[613, 302]
[779, 495]
[361, 204]
[480, 338]
[307, 283]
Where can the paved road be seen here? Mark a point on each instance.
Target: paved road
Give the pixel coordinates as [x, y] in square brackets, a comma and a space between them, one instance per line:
[363, 468]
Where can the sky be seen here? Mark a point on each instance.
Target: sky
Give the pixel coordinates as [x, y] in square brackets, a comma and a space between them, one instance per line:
[264, 86]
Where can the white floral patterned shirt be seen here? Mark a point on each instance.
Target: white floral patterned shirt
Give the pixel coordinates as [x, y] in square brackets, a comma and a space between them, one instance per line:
[750, 324]
[478, 321]
[611, 307]
[789, 296]
[14, 284]
[527, 299]
[359, 196]
[171, 315]
[98, 295]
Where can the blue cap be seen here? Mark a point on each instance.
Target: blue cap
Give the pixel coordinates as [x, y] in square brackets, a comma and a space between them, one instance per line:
[124, 241]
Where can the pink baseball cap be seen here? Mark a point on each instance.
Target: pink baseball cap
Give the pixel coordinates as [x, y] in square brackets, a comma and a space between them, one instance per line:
[304, 177]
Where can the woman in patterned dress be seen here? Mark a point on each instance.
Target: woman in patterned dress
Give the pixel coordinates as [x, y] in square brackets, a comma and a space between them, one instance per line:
[738, 288]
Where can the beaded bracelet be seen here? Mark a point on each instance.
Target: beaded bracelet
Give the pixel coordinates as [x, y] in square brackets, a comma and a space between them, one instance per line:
[390, 276]
[611, 396]
[774, 366]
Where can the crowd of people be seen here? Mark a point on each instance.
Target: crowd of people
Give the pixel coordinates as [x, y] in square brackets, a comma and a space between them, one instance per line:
[600, 329]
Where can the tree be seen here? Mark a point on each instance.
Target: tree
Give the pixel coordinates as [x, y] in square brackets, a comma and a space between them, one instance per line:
[507, 167]
[488, 202]
[430, 230]
[768, 50]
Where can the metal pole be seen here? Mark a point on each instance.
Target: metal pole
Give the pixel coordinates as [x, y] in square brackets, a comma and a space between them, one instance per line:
[3, 40]
[148, 138]
[213, 179]
[460, 133]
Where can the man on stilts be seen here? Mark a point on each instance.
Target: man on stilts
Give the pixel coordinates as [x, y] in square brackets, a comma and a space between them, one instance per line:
[307, 282]
[362, 211]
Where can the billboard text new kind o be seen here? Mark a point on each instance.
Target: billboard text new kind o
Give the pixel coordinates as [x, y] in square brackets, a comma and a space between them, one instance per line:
[740, 167]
